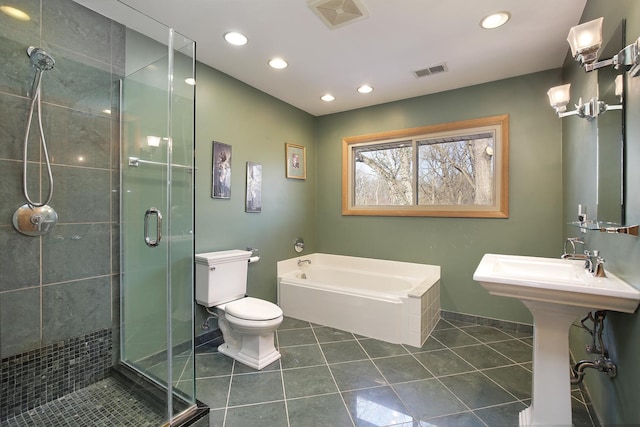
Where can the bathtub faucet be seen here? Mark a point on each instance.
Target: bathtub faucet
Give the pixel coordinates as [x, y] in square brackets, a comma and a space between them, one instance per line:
[303, 261]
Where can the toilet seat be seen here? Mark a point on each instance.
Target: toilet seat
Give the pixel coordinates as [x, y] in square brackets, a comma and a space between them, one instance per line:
[253, 309]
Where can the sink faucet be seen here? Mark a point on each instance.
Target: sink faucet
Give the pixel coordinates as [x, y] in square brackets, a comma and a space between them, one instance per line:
[594, 263]
[573, 255]
[303, 261]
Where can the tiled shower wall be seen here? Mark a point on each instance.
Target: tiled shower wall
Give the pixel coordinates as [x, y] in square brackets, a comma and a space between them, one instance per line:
[64, 286]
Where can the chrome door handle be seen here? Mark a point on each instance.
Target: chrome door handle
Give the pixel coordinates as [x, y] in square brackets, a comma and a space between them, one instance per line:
[147, 240]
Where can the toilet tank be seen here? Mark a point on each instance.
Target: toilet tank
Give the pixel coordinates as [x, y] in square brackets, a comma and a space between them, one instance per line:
[221, 276]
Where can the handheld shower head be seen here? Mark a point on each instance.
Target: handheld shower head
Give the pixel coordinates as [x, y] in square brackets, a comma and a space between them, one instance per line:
[40, 59]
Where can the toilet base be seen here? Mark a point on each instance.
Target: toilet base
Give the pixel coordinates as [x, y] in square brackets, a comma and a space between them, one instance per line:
[250, 342]
[248, 359]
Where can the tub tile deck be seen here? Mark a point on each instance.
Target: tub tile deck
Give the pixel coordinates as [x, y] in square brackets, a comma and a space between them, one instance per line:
[464, 375]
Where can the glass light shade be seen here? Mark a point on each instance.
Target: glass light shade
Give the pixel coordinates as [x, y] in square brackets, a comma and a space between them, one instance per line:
[559, 96]
[585, 37]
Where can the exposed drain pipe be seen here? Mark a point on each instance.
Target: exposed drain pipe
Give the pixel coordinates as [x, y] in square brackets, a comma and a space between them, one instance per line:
[602, 363]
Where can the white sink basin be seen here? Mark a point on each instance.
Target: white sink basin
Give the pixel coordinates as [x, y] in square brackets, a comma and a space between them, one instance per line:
[554, 280]
[556, 292]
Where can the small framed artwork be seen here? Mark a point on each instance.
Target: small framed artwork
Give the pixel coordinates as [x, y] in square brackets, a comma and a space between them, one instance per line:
[254, 188]
[221, 173]
[296, 161]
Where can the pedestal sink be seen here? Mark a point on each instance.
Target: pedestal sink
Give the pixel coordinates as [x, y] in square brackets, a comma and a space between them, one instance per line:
[556, 292]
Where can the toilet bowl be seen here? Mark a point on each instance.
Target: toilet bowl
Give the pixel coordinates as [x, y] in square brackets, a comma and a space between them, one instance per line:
[248, 327]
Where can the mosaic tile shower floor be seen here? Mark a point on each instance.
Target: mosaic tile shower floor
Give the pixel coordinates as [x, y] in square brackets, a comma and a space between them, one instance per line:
[105, 403]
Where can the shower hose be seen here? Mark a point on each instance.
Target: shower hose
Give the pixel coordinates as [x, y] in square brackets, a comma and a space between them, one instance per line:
[36, 102]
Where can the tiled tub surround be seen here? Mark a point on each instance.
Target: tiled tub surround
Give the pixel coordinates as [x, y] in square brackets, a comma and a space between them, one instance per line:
[393, 301]
[464, 375]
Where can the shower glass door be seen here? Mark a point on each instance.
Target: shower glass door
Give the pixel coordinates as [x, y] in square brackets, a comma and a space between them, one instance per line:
[157, 138]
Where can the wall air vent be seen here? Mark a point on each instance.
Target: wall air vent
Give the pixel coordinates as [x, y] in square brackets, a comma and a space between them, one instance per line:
[440, 68]
[336, 13]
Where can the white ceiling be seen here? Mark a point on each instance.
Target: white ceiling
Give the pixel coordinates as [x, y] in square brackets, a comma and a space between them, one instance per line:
[397, 38]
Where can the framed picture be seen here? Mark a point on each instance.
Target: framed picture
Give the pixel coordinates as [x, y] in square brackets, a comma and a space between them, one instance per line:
[254, 188]
[221, 171]
[296, 161]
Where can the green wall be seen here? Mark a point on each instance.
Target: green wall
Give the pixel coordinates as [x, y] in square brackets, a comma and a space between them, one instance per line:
[534, 226]
[615, 400]
[257, 126]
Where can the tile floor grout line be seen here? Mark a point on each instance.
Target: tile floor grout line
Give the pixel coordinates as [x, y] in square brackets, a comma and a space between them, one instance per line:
[226, 406]
[324, 357]
[451, 391]
[391, 386]
[480, 371]
[284, 389]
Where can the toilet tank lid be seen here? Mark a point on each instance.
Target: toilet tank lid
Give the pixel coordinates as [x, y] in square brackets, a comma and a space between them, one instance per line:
[222, 256]
[253, 309]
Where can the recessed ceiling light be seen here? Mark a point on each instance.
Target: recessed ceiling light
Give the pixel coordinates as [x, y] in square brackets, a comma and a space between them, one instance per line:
[495, 20]
[328, 97]
[190, 81]
[365, 89]
[278, 63]
[15, 13]
[235, 38]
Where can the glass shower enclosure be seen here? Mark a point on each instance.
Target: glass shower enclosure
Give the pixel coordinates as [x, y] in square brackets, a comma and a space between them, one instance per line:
[156, 235]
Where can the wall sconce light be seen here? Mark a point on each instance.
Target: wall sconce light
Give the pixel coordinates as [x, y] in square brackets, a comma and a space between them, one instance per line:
[559, 97]
[585, 41]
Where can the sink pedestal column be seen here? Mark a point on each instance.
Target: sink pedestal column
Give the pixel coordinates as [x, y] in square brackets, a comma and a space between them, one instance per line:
[551, 391]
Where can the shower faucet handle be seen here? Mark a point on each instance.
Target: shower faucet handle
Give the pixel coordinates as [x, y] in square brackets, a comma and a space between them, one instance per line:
[36, 220]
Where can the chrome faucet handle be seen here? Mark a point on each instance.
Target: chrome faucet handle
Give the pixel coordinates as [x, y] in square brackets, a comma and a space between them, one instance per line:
[301, 262]
[572, 241]
[598, 269]
[573, 254]
[594, 263]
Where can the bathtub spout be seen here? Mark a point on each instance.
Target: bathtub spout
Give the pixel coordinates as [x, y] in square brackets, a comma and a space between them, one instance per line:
[301, 262]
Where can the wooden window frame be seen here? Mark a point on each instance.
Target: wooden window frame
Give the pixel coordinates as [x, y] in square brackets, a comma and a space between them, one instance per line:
[500, 207]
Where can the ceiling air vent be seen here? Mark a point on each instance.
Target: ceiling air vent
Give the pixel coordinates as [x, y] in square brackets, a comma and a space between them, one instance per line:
[336, 13]
[440, 68]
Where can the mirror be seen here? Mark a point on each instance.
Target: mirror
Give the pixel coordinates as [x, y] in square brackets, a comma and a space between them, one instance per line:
[611, 136]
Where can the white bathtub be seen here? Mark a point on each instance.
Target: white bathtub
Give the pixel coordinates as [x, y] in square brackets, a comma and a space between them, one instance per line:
[398, 302]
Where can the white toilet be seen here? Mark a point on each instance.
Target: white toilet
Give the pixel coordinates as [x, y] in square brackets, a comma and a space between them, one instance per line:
[247, 324]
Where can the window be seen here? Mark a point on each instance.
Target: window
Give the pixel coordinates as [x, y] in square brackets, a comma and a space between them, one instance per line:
[458, 169]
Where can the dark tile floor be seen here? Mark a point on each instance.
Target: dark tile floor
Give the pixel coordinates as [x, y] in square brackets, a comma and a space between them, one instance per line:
[464, 375]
